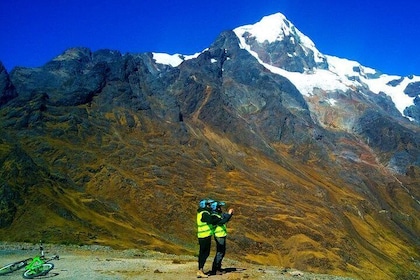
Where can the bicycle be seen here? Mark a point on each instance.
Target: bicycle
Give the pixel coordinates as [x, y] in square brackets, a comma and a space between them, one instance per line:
[39, 266]
[34, 267]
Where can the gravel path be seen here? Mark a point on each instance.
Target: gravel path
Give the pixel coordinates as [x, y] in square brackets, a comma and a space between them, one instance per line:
[99, 263]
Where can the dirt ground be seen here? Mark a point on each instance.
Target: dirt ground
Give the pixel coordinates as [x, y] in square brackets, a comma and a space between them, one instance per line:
[94, 263]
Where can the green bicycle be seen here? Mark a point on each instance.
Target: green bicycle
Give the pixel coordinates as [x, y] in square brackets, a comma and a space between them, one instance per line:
[39, 266]
[34, 267]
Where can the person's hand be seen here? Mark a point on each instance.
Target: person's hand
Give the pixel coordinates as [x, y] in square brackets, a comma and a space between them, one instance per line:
[230, 211]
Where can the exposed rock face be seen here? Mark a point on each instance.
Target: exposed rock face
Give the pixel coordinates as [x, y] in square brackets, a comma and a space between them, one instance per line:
[7, 90]
[70, 79]
[413, 90]
[117, 149]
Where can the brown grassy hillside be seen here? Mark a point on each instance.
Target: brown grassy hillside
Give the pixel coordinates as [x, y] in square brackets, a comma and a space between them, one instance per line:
[84, 176]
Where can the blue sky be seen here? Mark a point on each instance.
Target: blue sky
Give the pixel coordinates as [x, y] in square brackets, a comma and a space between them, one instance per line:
[378, 34]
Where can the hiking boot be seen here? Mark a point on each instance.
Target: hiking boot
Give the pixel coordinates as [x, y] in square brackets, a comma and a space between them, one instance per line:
[201, 274]
[218, 272]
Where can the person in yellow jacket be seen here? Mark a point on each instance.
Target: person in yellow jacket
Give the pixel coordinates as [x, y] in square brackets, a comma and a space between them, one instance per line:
[220, 233]
[206, 223]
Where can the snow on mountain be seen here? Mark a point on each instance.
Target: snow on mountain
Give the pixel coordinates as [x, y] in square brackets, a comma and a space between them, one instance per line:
[381, 83]
[342, 74]
[304, 82]
[277, 27]
[173, 60]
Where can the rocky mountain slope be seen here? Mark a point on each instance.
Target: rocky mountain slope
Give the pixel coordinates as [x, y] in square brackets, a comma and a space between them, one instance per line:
[319, 156]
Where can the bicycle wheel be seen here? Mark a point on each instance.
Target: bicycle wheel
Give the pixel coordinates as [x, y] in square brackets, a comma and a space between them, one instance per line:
[12, 267]
[38, 271]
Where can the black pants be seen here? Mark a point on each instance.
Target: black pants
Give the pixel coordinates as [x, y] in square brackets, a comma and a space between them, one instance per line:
[220, 253]
[203, 254]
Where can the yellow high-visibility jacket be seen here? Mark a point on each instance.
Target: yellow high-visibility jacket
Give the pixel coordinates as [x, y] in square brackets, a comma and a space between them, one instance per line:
[203, 228]
[220, 230]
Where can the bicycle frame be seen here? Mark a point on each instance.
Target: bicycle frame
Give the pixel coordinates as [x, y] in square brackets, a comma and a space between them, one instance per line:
[35, 263]
[39, 266]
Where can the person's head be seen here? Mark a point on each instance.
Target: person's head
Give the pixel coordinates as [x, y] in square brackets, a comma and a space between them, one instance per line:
[216, 206]
[202, 203]
[205, 203]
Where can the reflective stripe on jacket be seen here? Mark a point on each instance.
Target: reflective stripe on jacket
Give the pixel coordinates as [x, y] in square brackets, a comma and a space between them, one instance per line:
[203, 229]
[220, 230]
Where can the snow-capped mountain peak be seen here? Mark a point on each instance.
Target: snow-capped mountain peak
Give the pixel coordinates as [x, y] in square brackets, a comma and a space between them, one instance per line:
[277, 28]
[284, 50]
[270, 28]
[281, 48]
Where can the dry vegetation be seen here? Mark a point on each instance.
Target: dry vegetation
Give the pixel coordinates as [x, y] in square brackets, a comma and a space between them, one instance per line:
[127, 182]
